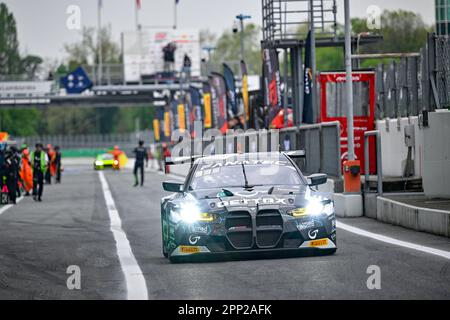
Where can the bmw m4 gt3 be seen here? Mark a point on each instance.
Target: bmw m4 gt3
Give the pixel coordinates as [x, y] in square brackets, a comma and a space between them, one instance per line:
[245, 204]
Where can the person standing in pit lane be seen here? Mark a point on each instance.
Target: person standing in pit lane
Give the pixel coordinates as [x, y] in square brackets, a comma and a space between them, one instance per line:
[12, 162]
[39, 160]
[166, 154]
[26, 171]
[51, 169]
[58, 164]
[141, 154]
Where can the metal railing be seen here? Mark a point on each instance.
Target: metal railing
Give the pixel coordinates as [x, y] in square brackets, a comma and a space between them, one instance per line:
[416, 82]
[91, 141]
[321, 143]
[286, 19]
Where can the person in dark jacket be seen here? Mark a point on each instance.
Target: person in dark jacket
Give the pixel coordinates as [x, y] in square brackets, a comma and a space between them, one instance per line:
[12, 165]
[39, 160]
[187, 64]
[58, 164]
[141, 155]
[169, 56]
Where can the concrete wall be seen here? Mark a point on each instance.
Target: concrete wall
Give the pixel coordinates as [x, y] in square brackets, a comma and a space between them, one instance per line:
[436, 167]
[393, 148]
[411, 217]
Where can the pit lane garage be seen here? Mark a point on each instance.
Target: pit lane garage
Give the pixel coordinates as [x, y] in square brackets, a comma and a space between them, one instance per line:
[235, 205]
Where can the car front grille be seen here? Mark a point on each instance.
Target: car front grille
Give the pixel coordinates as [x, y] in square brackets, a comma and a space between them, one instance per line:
[269, 227]
[261, 230]
[239, 229]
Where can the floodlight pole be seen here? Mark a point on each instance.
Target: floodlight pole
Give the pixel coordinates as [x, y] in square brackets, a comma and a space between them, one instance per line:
[313, 58]
[241, 17]
[99, 43]
[349, 82]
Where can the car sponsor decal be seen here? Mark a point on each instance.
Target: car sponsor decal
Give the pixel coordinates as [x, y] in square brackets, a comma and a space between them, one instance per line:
[206, 172]
[312, 234]
[319, 243]
[200, 229]
[193, 239]
[245, 162]
[189, 249]
[254, 202]
[305, 225]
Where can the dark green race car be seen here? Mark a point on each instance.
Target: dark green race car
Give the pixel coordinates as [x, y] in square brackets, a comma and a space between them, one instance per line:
[246, 204]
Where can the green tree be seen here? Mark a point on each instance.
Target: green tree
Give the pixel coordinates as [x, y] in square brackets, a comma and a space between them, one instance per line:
[402, 31]
[20, 122]
[10, 62]
[30, 65]
[228, 49]
[85, 52]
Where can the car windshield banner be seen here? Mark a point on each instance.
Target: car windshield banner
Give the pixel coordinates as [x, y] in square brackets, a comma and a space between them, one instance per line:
[272, 90]
[219, 101]
[228, 75]
[207, 118]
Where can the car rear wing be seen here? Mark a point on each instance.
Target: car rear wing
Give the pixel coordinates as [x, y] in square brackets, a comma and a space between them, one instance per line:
[295, 154]
[181, 160]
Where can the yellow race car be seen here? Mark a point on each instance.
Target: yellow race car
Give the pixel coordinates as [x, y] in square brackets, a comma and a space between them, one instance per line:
[106, 160]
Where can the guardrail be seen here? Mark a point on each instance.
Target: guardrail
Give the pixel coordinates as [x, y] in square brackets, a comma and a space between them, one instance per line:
[321, 143]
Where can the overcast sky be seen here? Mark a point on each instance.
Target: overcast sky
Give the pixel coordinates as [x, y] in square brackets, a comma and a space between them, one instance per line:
[42, 23]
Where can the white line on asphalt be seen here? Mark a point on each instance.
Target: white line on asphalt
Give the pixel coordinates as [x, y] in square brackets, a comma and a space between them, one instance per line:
[379, 237]
[136, 286]
[3, 209]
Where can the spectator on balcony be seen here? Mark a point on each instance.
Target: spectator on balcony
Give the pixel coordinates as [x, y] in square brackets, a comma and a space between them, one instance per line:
[169, 56]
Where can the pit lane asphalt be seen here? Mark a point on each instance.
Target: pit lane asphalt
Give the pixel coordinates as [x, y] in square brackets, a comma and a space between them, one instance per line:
[38, 241]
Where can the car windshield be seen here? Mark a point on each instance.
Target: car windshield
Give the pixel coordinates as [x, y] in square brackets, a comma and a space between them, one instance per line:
[107, 156]
[242, 173]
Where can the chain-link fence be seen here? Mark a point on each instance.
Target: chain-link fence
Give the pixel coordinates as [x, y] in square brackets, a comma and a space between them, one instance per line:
[416, 82]
[442, 70]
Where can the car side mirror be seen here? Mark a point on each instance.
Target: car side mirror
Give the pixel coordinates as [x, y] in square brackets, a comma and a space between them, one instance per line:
[172, 186]
[317, 179]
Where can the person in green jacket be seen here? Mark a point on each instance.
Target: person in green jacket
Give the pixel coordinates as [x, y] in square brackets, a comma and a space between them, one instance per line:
[39, 160]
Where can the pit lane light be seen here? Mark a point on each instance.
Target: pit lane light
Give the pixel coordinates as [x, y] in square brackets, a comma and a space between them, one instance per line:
[315, 207]
[190, 213]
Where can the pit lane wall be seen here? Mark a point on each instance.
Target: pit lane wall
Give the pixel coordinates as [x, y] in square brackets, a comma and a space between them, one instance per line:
[417, 218]
[424, 144]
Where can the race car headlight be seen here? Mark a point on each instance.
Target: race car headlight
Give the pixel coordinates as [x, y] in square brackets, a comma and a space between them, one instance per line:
[98, 163]
[314, 208]
[191, 213]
